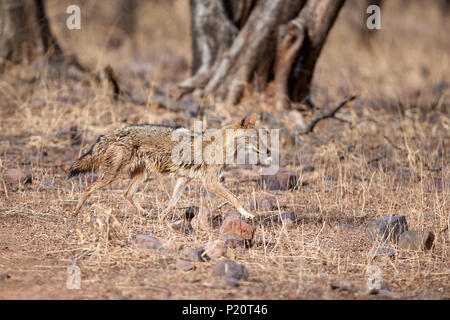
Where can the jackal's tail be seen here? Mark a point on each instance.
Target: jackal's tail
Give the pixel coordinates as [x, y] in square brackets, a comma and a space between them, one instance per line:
[90, 160]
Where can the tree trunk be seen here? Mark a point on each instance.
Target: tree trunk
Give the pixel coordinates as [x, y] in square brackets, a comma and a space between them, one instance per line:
[238, 44]
[18, 37]
[127, 17]
[25, 31]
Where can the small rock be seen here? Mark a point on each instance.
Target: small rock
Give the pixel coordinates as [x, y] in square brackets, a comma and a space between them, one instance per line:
[185, 265]
[284, 179]
[214, 249]
[237, 226]
[232, 241]
[18, 176]
[193, 254]
[344, 285]
[147, 244]
[347, 228]
[4, 276]
[381, 252]
[191, 212]
[231, 272]
[182, 226]
[387, 228]
[265, 203]
[287, 218]
[416, 240]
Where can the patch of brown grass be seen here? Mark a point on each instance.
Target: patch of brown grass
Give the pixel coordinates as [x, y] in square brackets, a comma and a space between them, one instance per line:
[392, 160]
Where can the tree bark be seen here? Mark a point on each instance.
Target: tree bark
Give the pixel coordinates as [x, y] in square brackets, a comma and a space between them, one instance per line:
[239, 44]
[18, 38]
[25, 31]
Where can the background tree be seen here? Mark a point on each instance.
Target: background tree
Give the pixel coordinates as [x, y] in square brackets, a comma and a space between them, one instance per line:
[25, 31]
[246, 43]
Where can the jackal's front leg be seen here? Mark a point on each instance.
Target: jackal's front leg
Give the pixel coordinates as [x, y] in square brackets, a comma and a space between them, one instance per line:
[227, 195]
[177, 192]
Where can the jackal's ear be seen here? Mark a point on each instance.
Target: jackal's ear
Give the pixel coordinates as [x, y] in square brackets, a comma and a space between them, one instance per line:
[246, 122]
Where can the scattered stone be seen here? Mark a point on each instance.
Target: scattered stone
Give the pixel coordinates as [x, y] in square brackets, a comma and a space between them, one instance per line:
[4, 276]
[287, 218]
[191, 212]
[214, 249]
[347, 228]
[17, 176]
[237, 226]
[381, 252]
[232, 241]
[206, 219]
[182, 226]
[416, 240]
[284, 179]
[344, 285]
[185, 265]
[387, 228]
[150, 245]
[265, 203]
[231, 272]
[193, 254]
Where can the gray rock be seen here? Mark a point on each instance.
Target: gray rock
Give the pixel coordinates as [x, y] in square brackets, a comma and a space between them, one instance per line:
[195, 255]
[284, 179]
[191, 212]
[231, 272]
[213, 249]
[232, 241]
[287, 218]
[387, 228]
[381, 252]
[347, 228]
[182, 226]
[18, 176]
[185, 265]
[148, 244]
[265, 203]
[4, 276]
[416, 240]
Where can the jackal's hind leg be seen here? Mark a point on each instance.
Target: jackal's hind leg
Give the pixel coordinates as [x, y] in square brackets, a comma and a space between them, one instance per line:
[227, 195]
[177, 192]
[137, 177]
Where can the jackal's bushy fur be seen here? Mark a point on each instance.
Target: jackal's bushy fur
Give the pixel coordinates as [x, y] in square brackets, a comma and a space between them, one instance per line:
[139, 150]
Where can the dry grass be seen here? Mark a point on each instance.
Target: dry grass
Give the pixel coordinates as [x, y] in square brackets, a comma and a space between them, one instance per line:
[393, 160]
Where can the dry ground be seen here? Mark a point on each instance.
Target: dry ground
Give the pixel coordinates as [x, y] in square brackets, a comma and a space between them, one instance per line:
[392, 160]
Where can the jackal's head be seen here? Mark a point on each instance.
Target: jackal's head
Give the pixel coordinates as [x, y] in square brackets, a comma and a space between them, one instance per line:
[244, 140]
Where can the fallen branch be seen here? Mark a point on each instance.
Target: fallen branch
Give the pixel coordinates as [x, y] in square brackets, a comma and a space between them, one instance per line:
[190, 109]
[326, 115]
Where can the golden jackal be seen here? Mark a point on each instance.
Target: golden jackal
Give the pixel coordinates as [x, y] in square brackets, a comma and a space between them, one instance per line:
[141, 149]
